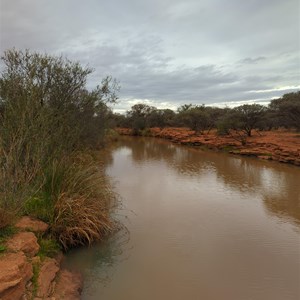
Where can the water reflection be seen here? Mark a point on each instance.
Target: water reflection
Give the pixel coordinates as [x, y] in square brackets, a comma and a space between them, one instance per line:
[97, 263]
[277, 183]
[203, 225]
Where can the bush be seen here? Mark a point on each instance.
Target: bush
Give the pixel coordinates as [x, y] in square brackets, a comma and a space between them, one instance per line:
[48, 118]
[81, 198]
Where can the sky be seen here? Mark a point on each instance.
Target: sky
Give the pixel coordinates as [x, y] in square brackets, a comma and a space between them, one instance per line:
[168, 52]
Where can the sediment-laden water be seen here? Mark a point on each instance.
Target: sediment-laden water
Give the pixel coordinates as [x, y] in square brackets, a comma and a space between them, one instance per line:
[200, 225]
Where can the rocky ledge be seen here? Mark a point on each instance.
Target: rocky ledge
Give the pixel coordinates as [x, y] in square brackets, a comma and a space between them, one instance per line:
[24, 275]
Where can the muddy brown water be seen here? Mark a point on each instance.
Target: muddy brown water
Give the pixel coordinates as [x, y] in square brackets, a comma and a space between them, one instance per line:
[200, 225]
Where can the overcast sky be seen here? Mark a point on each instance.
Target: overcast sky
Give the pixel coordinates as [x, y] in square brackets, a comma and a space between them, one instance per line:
[168, 52]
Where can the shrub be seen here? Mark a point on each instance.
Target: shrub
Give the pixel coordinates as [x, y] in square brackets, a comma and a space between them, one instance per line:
[82, 198]
[47, 117]
[80, 221]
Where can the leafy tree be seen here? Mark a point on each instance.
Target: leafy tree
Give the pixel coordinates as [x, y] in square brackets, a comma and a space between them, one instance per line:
[47, 111]
[195, 117]
[287, 110]
[248, 116]
[138, 116]
[161, 118]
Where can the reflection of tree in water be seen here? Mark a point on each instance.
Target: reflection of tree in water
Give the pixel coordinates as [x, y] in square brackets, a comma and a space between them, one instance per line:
[144, 149]
[277, 183]
[286, 201]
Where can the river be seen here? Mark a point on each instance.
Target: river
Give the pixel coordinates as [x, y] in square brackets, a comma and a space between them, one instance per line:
[199, 225]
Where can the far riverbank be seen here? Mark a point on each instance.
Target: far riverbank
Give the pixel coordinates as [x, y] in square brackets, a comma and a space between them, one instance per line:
[281, 146]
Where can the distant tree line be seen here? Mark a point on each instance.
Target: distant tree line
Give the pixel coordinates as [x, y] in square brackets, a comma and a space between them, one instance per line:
[282, 112]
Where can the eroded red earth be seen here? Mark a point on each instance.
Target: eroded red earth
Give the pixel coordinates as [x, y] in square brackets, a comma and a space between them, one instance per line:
[279, 145]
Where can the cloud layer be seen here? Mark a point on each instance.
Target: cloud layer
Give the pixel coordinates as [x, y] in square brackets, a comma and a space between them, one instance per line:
[167, 52]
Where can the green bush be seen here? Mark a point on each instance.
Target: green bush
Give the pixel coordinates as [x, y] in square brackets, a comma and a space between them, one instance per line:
[48, 118]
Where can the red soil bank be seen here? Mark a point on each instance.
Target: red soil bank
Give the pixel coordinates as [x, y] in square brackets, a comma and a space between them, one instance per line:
[278, 145]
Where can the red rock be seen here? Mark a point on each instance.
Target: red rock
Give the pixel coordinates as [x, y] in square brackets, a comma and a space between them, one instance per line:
[15, 272]
[32, 224]
[69, 286]
[46, 277]
[24, 241]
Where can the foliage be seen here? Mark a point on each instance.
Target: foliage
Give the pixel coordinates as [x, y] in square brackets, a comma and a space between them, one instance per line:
[48, 118]
[287, 110]
[247, 117]
[48, 247]
[5, 233]
[282, 112]
[34, 279]
[39, 208]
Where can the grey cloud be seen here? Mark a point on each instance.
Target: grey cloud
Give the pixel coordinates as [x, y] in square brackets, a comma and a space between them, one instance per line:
[250, 60]
[170, 51]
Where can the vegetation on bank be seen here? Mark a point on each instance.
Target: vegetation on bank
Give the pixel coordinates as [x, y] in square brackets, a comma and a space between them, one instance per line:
[238, 122]
[49, 123]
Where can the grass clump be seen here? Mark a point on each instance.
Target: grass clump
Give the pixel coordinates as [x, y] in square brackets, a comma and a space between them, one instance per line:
[48, 247]
[81, 212]
[39, 207]
[5, 233]
[34, 279]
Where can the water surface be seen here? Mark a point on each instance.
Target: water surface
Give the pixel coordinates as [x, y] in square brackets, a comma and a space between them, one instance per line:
[201, 225]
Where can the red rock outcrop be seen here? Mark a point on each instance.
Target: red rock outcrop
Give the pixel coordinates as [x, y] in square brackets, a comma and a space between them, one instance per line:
[16, 269]
[24, 241]
[15, 272]
[27, 223]
[69, 286]
[46, 277]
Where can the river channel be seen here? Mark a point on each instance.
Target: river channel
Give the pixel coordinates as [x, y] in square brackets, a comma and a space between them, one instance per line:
[199, 225]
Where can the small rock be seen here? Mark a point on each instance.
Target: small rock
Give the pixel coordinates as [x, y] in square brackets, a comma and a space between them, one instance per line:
[32, 224]
[46, 277]
[24, 241]
[69, 286]
[15, 272]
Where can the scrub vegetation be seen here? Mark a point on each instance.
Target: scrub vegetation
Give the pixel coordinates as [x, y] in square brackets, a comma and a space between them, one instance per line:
[239, 122]
[49, 123]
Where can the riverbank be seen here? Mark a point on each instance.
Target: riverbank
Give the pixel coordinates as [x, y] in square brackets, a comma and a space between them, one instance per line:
[281, 146]
[26, 272]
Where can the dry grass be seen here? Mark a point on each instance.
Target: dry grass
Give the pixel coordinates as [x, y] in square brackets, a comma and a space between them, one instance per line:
[80, 221]
[5, 217]
[82, 209]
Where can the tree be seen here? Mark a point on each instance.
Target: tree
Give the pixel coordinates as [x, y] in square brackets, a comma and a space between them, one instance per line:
[45, 92]
[46, 110]
[248, 116]
[287, 110]
[138, 116]
[161, 118]
[196, 117]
